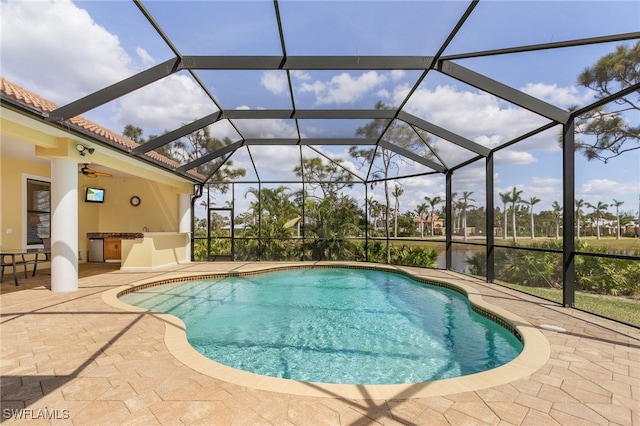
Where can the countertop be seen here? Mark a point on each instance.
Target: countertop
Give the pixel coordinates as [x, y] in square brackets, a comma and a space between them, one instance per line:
[130, 235]
[121, 235]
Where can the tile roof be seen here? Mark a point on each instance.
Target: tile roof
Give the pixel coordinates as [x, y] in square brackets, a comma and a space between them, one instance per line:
[30, 99]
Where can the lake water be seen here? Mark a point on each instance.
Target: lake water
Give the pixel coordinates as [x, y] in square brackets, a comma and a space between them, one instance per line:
[458, 259]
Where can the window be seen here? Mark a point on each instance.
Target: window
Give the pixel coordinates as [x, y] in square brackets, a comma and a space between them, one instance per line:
[38, 211]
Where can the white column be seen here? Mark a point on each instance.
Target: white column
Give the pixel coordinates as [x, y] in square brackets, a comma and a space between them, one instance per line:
[184, 216]
[64, 224]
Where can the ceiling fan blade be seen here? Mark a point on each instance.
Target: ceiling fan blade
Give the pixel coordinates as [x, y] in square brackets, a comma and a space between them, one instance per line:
[85, 170]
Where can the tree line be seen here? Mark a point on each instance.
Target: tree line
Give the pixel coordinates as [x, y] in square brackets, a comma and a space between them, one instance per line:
[517, 216]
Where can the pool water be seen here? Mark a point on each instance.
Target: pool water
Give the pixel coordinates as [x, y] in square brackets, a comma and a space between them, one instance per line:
[334, 326]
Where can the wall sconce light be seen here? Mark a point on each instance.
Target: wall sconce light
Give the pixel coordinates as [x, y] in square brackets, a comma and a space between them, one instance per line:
[84, 149]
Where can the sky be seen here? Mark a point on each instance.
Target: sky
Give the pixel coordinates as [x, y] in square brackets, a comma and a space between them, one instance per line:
[64, 50]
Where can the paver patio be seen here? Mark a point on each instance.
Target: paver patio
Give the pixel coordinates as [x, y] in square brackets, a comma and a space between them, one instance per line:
[76, 358]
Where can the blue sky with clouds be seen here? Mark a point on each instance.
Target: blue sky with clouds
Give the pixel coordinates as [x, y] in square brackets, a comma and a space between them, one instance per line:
[64, 50]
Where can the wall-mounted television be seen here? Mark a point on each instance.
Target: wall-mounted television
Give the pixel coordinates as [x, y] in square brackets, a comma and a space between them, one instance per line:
[94, 195]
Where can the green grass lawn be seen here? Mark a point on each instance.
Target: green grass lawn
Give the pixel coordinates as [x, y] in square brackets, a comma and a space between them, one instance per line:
[618, 308]
[622, 243]
[626, 244]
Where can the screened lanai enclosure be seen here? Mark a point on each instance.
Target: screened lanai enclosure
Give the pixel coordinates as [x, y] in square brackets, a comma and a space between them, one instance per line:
[496, 139]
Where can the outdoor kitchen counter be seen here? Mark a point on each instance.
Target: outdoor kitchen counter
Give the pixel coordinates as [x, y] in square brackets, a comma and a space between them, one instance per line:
[110, 244]
[154, 250]
[121, 235]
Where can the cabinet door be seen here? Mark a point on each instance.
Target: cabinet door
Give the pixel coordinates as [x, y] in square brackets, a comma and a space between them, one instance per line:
[112, 249]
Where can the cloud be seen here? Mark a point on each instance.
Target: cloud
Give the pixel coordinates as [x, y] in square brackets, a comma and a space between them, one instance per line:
[546, 181]
[470, 114]
[470, 178]
[274, 81]
[300, 75]
[145, 58]
[563, 96]
[274, 128]
[397, 74]
[164, 105]
[512, 158]
[479, 117]
[546, 189]
[267, 129]
[605, 190]
[223, 129]
[343, 88]
[416, 188]
[42, 51]
[60, 65]
[383, 94]
[275, 162]
[348, 162]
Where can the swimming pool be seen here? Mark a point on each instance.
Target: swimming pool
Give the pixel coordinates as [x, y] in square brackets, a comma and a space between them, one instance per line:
[334, 325]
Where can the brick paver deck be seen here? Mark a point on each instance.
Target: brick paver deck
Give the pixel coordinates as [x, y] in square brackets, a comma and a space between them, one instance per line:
[73, 357]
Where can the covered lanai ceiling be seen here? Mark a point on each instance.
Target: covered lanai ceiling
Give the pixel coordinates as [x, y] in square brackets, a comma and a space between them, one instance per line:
[278, 81]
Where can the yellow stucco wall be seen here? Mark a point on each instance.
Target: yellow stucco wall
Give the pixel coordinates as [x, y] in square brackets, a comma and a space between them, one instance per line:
[158, 210]
[12, 171]
[26, 147]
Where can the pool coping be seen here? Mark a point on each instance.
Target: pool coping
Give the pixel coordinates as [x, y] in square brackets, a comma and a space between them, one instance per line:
[536, 351]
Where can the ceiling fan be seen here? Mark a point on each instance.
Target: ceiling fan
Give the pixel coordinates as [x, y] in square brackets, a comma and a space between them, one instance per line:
[85, 170]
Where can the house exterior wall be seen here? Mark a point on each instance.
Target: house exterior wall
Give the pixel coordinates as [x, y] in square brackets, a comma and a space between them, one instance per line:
[30, 145]
[12, 172]
[158, 211]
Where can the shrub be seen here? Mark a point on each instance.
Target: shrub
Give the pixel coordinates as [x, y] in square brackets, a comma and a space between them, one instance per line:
[596, 274]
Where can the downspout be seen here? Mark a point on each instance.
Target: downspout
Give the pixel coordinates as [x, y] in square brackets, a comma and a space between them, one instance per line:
[197, 193]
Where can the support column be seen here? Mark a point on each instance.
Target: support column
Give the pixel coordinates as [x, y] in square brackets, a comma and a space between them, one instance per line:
[449, 222]
[184, 224]
[490, 219]
[64, 224]
[568, 217]
[366, 222]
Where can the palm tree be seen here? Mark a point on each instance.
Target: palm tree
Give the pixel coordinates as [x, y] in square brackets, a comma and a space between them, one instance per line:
[532, 201]
[617, 205]
[375, 209]
[272, 208]
[464, 203]
[421, 210]
[598, 210]
[514, 198]
[557, 213]
[397, 192]
[433, 202]
[505, 199]
[626, 219]
[454, 206]
[579, 213]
